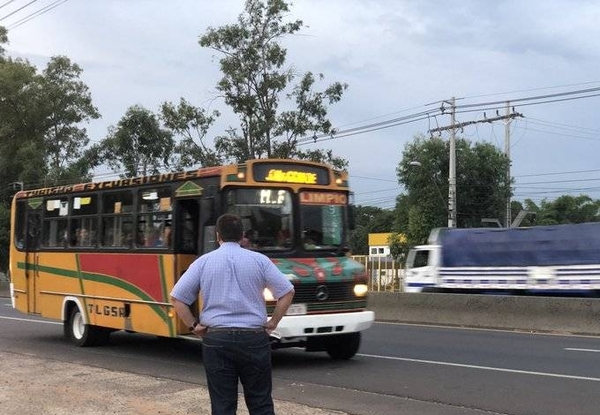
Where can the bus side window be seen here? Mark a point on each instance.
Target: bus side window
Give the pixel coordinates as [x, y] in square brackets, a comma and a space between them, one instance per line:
[84, 220]
[154, 209]
[20, 225]
[117, 219]
[186, 232]
[55, 222]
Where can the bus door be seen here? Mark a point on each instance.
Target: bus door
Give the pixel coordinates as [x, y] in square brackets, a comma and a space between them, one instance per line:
[194, 230]
[193, 217]
[33, 224]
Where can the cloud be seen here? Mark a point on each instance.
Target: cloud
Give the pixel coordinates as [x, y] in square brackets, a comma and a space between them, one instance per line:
[395, 55]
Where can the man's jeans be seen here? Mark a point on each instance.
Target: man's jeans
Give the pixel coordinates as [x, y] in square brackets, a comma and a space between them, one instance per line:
[233, 354]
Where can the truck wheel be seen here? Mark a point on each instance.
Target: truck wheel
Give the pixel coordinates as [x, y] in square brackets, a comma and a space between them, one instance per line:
[343, 346]
[84, 335]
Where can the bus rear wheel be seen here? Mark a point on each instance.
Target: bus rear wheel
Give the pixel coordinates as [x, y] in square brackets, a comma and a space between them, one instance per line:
[81, 334]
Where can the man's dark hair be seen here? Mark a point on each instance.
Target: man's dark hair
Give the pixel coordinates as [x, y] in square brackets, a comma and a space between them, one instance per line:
[230, 227]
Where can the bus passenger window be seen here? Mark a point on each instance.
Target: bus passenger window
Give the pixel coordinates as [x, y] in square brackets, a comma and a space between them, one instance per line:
[154, 216]
[117, 219]
[55, 222]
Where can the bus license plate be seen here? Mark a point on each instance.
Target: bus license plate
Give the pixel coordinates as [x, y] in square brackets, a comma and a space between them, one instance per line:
[296, 309]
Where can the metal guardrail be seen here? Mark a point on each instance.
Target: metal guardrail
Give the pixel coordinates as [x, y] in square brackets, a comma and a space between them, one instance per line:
[385, 274]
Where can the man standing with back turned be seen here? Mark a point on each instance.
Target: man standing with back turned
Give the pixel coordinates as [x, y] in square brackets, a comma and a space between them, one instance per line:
[233, 321]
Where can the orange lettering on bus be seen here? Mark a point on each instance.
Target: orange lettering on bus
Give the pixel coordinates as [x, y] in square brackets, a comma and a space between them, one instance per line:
[323, 198]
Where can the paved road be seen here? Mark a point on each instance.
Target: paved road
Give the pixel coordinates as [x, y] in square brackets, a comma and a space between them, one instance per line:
[34, 385]
[400, 370]
[42, 373]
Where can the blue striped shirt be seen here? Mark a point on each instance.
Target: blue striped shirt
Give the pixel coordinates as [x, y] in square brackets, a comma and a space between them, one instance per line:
[231, 280]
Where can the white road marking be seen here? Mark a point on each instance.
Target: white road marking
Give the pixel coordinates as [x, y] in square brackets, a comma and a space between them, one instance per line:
[494, 369]
[29, 320]
[573, 349]
[430, 362]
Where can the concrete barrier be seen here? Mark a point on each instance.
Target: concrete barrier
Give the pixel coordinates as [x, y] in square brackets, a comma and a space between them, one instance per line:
[539, 314]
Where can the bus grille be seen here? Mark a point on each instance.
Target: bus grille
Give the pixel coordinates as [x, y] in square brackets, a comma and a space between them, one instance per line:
[324, 293]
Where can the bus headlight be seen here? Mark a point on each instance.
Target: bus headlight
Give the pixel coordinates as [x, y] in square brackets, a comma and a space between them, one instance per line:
[360, 290]
[268, 295]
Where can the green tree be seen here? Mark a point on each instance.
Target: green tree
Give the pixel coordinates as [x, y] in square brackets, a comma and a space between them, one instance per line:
[3, 40]
[255, 80]
[399, 246]
[566, 209]
[21, 133]
[369, 219]
[22, 126]
[191, 124]
[138, 145]
[482, 188]
[67, 103]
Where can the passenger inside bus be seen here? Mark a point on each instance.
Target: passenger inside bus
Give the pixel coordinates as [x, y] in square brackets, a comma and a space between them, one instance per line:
[83, 237]
[166, 238]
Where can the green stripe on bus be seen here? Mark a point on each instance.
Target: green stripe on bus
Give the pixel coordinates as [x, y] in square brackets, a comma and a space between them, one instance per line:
[101, 279]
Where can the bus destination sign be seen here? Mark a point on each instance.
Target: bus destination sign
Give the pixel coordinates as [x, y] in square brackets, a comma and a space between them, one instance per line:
[290, 173]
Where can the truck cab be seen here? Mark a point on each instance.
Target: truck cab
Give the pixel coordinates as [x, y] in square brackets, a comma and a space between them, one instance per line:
[421, 268]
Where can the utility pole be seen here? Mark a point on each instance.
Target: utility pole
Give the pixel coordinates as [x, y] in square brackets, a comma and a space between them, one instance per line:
[452, 171]
[507, 152]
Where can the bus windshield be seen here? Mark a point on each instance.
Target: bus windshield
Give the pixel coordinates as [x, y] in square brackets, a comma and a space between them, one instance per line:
[266, 215]
[322, 226]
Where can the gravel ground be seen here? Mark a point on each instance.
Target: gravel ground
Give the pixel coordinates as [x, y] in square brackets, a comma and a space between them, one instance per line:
[29, 385]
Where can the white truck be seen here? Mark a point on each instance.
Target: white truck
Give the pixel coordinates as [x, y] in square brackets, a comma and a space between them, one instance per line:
[560, 259]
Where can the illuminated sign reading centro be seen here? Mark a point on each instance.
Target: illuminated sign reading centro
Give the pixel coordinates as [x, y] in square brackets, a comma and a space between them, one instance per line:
[291, 176]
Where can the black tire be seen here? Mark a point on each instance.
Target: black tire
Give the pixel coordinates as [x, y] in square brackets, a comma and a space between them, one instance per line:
[84, 335]
[343, 346]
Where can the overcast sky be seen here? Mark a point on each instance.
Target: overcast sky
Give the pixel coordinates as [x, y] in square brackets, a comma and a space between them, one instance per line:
[396, 56]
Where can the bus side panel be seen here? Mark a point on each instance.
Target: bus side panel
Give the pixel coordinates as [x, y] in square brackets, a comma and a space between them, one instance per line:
[118, 291]
[56, 275]
[182, 264]
[128, 291]
[19, 280]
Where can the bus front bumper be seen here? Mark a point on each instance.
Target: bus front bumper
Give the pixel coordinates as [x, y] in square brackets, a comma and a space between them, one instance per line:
[323, 324]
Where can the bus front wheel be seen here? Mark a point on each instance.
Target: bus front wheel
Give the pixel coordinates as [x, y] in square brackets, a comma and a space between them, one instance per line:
[343, 346]
[83, 335]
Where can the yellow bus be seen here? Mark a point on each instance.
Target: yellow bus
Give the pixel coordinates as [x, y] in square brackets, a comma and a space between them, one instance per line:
[103, 256]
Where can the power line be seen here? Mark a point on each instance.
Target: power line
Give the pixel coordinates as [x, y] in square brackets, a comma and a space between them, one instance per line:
[352, 176]
[464, 108]
[18, 10]
[531, 89]
[362, 130]
[562, 126]
[562, 181]
[563, 134]
[37, 13]
[6, 4]
[557, 173]
[533, 98]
